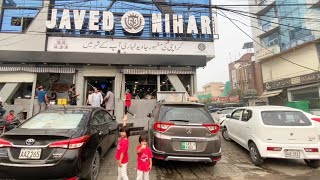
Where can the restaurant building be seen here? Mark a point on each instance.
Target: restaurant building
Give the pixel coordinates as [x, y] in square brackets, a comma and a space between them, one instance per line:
[143, 46]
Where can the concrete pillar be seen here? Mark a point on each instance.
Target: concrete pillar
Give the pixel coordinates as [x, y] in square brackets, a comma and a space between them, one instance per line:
[80, 87]
[158, 83]
[34, 86]
[119, 95]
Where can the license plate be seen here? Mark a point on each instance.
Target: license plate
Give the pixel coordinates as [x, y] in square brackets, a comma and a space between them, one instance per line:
[26, 153]
[292, 153]
[190, 146]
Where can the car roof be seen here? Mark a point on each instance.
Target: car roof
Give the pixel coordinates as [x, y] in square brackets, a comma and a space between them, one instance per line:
[270, 108]
[181, 103]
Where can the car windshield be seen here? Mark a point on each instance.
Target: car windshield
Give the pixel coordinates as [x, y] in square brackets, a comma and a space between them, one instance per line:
[54, 120]
[285, 118]
[190, 114]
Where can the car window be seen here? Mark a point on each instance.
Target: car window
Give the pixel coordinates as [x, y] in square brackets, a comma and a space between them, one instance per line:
[236, 114]
[246, 115]
[98, 118]
[55, 120]
[190, 114]
[285, 118]
[107, 116]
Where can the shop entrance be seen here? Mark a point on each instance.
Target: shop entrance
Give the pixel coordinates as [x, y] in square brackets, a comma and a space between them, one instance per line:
[101, 83]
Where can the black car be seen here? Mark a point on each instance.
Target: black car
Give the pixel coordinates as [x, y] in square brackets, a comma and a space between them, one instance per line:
[59, 143]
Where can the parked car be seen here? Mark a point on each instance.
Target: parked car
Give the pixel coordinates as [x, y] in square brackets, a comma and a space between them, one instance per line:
[184, 132]
[274, 132]
[59, 143]
[221, 113]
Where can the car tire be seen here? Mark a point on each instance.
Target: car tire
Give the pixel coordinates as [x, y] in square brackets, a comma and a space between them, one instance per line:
[211, 164]
[312, 163]
[225, 135]
[255, 155]
[94, 167]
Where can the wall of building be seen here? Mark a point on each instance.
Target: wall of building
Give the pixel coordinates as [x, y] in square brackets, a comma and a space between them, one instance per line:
[277, 68]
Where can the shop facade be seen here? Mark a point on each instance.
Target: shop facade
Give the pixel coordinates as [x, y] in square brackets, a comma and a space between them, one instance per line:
[113, 45]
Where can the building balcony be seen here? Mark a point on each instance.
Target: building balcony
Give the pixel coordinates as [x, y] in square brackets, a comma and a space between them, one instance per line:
[267, 52]
[265, 29]
[264, 5]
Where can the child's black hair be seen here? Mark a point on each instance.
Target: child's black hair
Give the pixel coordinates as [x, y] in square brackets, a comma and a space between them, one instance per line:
[11, 111]
[126, 130]
[143, 138]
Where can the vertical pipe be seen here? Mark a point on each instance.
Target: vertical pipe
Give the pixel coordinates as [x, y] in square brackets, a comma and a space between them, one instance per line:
[34, 84]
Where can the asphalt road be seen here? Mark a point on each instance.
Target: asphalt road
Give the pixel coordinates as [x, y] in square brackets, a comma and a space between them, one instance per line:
[235, 164]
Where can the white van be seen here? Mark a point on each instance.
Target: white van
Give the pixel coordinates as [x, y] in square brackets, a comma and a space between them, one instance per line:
[275, 132]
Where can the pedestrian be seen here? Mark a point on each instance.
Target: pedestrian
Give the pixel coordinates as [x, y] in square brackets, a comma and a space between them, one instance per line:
[127, 105]
[10, 117]
[109, 102]
[122, 153]
[97, 98]
[2, 110]
[89, 100]
[144, 165]
[42, 98]
[72, 95]
[53, 97]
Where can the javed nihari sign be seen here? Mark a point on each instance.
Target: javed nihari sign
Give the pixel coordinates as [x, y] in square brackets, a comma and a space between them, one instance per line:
[132, 22]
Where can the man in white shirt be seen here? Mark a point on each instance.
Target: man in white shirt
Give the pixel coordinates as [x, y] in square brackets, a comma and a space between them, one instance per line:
[97, 98]
[89, 100]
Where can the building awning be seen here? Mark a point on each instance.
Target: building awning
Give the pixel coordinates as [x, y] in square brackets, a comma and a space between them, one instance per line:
[65, 70]
[267, 94]
[156, 71]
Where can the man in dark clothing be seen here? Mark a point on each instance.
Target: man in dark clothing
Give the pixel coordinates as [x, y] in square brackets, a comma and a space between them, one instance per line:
[72, 95]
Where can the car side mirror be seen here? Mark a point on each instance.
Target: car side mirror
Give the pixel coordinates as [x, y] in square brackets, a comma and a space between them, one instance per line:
[114, 118]
[149, 115]
[228, 116]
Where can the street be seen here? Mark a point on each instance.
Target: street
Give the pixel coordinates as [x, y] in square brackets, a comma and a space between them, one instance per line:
[235, 164]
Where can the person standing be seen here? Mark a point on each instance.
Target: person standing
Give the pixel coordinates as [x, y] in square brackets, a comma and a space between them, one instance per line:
[2, 110]
[42, 98]
[122, 156]
[109, 102]
[89, 100]
[144, 164]
[97, 98]
[72, 95]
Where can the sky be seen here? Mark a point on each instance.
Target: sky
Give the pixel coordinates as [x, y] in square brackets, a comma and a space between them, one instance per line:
[228, 48]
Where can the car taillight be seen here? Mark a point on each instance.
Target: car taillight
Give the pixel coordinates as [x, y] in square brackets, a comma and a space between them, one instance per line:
[162, 126]
[73, 178]
[70, 143]
[311, 149]
[213, 128]
[5, 143]
[316, 119]
[274, 148]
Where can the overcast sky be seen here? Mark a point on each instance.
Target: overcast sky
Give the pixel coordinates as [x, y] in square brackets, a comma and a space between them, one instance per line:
[230, 42]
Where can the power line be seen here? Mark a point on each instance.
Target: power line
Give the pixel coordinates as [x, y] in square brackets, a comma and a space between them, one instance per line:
[265, 47]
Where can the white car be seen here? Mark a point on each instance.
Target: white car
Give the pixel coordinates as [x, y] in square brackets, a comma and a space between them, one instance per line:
[275, 132]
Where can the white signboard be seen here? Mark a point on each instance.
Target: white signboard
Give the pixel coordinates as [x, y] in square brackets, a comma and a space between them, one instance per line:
[127, 46]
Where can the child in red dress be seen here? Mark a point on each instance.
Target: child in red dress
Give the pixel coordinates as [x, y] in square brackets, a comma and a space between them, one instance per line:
[144, 159]
[122, 153]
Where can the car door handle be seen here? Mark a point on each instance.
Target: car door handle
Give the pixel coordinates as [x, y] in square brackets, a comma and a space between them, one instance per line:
[100, 133]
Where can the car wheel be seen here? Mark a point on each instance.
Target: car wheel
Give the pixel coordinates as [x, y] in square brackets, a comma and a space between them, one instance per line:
[225, 135]
[95, 167]
[312, 163]
[255, 155]
[213, 163]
